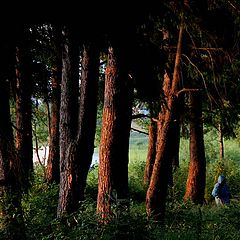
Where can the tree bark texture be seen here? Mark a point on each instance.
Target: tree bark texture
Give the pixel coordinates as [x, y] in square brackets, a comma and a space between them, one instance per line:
[114, 145]
[53, 169]
[10, 167]
[24, 84]
[195, 185]
[68, 120]
[157, 191]
[151, 155]
[80, 152]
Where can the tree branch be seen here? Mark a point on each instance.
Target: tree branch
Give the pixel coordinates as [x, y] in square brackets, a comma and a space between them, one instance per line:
[140, 115]
[186, 90]
[134, 129]
[200, 48]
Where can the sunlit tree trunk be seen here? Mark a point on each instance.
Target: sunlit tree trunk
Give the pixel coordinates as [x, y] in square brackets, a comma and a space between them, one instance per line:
[195, 185]
[53, 170]
[11, 219]
[114, 145]
[157, 191]
[24, 85]
[68, 120]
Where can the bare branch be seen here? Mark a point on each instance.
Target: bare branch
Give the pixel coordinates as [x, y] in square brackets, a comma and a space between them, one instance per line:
[155, 119]
[200, 48]
[234, 6]
[140, 115]
[137, 130]
[186, 90]
[201, 74]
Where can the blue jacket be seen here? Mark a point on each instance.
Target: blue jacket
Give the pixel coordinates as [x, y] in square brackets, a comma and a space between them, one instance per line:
[221, 191]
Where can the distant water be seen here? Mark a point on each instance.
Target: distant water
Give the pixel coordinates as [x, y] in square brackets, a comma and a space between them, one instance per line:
[95, 158]
[43, 155]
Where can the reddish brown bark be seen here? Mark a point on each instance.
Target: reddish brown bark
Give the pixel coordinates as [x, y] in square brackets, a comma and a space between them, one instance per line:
[68, 120]
[24, 83]
[114, 146]
[152, 139]
[195, 185]
[157, 191]
[53, 170]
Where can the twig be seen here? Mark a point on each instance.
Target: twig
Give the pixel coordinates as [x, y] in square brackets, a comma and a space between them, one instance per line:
[201, 74]
[186, 90]
[134, 129]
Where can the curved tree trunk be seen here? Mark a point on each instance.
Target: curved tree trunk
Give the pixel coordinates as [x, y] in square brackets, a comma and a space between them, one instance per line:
[24, 84]
[157, 191]
[114, 145]
[68, 120]
[53, 170]
[195, 186]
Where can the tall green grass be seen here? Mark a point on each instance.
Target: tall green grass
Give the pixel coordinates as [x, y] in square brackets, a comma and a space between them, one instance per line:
[183, 220]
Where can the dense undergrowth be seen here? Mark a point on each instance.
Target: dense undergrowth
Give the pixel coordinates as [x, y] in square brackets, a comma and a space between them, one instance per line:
[183, 220]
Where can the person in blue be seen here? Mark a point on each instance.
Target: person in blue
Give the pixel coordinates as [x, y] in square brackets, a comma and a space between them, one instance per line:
[221, 192]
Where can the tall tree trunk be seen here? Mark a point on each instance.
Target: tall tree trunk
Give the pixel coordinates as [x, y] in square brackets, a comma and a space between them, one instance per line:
[157, 191]
[114, 145]
[197, 169]
[221, 142]
[24, 84]
[151, 155]
[11, 218]
[177, 131]
[53, 170]
[80, 152]
[68, 120]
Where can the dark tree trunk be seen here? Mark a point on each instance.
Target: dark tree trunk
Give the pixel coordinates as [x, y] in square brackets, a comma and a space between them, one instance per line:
[197, 169]
[152, 139]
[80, 152]
[24, 84]
[53, 170]
[157, 191]
[176, 137]
[68, 120]
[114, 145]
[177, 131]
[87, 116]
[10, 178]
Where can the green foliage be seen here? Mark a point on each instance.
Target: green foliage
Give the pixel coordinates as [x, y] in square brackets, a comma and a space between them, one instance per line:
[40, 206]
[40, 120]
[183, 220]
